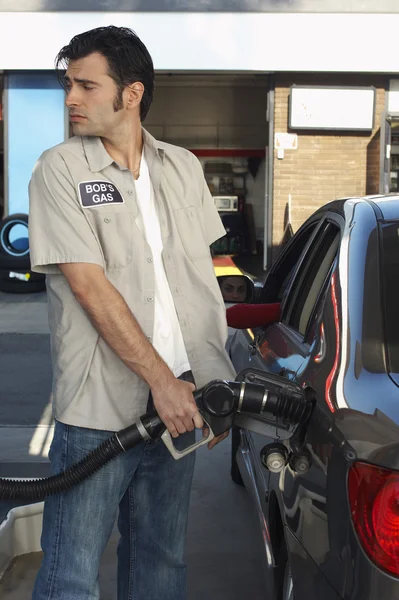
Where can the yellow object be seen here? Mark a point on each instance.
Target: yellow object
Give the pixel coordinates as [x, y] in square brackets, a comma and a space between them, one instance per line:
[224, 265]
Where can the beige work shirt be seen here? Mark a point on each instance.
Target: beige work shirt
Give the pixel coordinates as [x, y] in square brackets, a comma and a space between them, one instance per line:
[83, 210]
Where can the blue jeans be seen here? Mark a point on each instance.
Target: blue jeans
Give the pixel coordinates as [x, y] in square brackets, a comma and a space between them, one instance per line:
[152, 492]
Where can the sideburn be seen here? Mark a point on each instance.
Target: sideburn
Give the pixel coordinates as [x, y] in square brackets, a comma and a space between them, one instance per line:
[118, 100]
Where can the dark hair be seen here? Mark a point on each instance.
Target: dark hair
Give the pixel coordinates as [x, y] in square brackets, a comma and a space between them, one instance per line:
[128, 59]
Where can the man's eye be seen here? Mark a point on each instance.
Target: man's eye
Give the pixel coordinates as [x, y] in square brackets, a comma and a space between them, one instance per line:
[87, 87]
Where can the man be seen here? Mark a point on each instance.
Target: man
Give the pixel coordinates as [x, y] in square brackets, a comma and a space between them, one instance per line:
[121, 224]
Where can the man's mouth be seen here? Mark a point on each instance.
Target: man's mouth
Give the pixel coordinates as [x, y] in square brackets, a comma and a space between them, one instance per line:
[76, 117]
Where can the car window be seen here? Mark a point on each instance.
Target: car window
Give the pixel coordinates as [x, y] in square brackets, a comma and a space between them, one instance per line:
[390, 286]
[310, 279]
[280, 275]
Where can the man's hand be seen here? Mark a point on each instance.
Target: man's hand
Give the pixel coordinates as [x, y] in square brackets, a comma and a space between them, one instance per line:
[176, 407]
[218, 439]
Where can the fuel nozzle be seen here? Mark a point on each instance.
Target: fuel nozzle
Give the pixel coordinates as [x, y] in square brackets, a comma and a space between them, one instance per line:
[286, 402]
[220, 401]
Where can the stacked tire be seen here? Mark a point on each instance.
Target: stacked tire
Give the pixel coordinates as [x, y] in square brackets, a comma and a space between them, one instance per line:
[15, 274]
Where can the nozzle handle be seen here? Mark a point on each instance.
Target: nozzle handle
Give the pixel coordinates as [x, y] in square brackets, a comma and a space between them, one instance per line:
[177, 454]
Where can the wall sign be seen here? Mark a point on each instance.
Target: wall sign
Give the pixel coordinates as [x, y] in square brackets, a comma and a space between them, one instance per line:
[286, 141]
[393, 96]
[349, 109]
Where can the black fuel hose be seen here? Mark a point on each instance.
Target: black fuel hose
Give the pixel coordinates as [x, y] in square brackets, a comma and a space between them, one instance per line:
[149, 426]
[218, 402]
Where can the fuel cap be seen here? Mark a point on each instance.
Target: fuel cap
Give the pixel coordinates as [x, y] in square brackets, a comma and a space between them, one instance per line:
[274, 457]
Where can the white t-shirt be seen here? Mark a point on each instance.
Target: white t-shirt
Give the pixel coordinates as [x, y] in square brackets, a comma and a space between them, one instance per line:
[167, 336]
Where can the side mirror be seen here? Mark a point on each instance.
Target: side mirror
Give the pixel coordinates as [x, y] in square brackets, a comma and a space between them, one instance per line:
[236, 289]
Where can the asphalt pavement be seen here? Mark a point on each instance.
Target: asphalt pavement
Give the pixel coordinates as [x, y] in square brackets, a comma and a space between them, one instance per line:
[224, 546]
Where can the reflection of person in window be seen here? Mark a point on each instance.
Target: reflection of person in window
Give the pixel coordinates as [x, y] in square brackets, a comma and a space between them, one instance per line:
[234, 289]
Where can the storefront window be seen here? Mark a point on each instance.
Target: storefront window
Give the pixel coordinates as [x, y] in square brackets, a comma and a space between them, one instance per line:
[394, 171]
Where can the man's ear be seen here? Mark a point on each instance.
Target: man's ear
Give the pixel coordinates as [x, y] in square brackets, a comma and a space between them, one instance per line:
[134, 93]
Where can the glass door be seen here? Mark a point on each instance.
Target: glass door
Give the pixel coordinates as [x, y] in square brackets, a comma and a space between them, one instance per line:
[391, 162]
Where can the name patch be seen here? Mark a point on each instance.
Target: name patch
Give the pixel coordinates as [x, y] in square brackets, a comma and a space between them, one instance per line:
[99, 193]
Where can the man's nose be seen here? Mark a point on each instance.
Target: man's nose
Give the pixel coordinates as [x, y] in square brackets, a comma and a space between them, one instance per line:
[72, 98]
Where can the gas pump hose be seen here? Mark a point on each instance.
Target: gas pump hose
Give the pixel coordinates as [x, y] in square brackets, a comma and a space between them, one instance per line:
[149, 426]
[219, 402]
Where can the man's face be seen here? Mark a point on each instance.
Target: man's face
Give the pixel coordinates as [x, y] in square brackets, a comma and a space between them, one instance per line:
[92, 97]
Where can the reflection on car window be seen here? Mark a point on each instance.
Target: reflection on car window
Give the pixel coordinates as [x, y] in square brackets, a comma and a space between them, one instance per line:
[390, 284]
[312, 276]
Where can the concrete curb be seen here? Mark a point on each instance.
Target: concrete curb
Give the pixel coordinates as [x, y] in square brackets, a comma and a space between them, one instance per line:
[20, 533]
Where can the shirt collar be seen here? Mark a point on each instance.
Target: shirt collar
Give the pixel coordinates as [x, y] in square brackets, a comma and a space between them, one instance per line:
[98, 158]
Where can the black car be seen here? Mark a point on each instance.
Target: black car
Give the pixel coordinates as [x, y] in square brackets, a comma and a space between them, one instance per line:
[328, 506]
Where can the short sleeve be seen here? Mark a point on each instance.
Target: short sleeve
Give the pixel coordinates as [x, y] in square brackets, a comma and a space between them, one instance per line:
[58, 229]
[213, 224]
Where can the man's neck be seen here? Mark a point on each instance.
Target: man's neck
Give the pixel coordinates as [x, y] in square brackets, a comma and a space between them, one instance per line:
[126, 149]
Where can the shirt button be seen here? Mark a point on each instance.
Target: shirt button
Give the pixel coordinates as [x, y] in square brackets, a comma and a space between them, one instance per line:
[150, 299]
[130, 192]
[149, 259]
[149, 338]
[107, 220]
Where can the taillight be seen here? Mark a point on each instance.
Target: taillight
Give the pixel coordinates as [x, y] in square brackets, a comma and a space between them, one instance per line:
[374, 502]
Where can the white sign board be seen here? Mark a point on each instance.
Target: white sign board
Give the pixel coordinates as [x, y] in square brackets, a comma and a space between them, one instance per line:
[393, 96]
[332, 108]
[286, 141]
[214, 41]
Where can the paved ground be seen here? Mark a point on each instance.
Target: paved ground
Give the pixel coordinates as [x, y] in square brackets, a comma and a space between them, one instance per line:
[223, 554]
[28, 381]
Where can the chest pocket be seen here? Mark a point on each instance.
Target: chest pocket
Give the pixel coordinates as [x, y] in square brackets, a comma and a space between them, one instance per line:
[114, 229]
[189, 224]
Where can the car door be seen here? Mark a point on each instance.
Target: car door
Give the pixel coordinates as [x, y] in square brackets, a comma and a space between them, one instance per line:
[284, 348]
[304, 316]
[271, 348]
[245, 346]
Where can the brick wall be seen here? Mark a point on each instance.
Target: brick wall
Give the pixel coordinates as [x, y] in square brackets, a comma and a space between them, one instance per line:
[327, 165]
